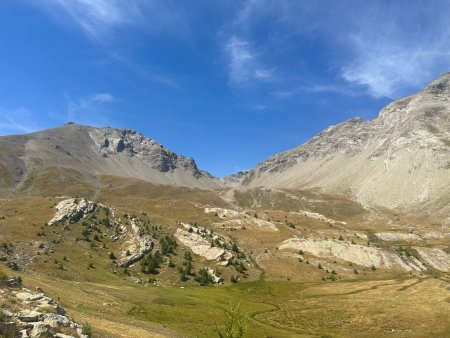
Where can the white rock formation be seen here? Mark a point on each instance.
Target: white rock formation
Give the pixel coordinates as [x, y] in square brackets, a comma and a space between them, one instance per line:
[200, 243]
[232, 218]
[434, 257]
[318, 216]
[216, 279]
[397, 236]
[136, 246]
[72, 210]
[354, 253]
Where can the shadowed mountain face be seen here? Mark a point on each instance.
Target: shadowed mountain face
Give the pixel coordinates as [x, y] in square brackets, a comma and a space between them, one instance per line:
[399, 159]
[90, 151]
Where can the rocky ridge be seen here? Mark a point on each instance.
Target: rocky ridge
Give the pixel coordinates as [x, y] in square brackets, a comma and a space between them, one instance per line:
[85, 152]
[398, 159]
[111, 141]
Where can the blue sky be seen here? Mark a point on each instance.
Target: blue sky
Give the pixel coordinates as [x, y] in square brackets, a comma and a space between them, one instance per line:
[226, 82]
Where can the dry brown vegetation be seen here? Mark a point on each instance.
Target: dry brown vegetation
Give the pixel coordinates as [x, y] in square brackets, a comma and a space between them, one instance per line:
[284, 292]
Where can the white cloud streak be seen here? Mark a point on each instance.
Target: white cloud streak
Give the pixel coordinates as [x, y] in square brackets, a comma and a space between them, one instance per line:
[102, 98]
[144, 72]
[244, 66]
[20, 120]
[395, 57]
[86, 105]
[388, 49]
[101, 19]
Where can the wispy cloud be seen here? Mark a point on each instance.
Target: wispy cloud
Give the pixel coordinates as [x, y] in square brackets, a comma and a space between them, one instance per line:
[99, 19]
[393, 48]
[86, 104]
[258, 107]
[387, 49]
[84, 110]
[102, 98]
[244, 65]
[398, 57]
[252, 41]
[316, 88]
[19, 120]
[144, 72]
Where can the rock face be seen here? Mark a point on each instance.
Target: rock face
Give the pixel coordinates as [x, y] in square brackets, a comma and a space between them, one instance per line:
[72, 210]
[354, 253]
[398, 159]
[436, 258]
[200, 244]
[111, 142]
[232, 219]
[90, 151]
[138, 244]
[39, 316]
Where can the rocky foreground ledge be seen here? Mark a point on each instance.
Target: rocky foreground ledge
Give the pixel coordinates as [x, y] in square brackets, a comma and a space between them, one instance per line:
[26, 313]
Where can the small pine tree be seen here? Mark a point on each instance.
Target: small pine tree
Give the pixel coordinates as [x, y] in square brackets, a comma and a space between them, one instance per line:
[234, 248]
[188, 256]
[183, 277]
[204, 278]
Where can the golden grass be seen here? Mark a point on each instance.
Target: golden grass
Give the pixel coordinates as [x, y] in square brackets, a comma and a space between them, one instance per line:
[394, 308]
[370, 304]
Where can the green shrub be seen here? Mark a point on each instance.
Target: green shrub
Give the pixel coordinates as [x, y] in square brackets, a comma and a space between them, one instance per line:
[87, 330]
[236, 324]
[3, 275]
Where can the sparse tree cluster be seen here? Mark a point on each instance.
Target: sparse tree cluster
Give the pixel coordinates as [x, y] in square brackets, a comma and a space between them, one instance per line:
[151, 263]
[167, 245]
[204, 278]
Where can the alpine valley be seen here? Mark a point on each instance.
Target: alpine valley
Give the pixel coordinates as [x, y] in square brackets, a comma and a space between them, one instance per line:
[105, 232]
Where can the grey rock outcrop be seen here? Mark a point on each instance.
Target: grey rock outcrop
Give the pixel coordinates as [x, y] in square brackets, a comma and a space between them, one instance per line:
[39, 316]
[114, 141]
[86, 152]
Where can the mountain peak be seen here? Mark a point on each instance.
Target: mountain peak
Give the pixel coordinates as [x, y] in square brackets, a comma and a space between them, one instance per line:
[440, 86]
[100, 151]
[398, 158]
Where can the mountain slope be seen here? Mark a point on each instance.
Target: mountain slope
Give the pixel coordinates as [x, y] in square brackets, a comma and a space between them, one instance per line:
[400, 158]
[88, 151]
